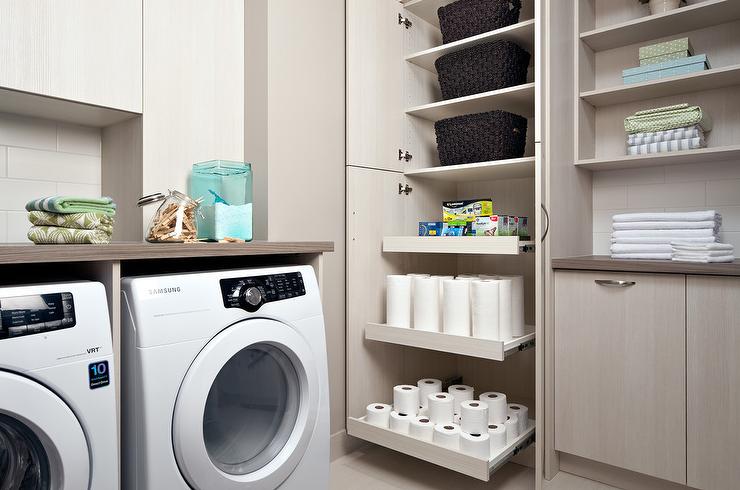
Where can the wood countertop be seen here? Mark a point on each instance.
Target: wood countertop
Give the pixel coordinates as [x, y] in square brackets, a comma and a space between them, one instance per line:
[606, 263]
[118, 251]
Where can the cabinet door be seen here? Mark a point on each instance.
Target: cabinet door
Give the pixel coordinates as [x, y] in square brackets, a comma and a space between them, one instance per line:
[713, 382]
[375, 84]
[620, 371]
[82, 50]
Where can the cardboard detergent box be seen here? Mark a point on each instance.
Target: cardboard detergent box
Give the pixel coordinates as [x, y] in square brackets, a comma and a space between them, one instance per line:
[456, 228]
[430, 228]
[466, 210]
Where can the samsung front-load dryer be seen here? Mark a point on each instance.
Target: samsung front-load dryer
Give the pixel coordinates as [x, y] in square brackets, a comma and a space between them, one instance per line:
[58, 425]
[225, 383]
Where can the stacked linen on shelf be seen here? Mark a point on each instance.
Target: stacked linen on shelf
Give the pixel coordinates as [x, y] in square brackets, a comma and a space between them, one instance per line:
[66, 220]
[650, 235]
[665, 129]
[703, 253]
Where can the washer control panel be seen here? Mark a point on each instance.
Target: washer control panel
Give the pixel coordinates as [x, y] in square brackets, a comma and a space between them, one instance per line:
[37, 313]
[250, 293]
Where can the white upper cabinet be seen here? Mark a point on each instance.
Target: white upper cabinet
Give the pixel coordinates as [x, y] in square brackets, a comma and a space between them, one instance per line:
[85, 51]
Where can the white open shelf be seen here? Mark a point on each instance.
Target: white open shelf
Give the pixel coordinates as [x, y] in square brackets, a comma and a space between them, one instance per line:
[514, 168]
[695, 16]
[518, 99]
[521, 33]
[715, 78]
[495, 350]
[703, 155]
[441, 456]
[476, 245]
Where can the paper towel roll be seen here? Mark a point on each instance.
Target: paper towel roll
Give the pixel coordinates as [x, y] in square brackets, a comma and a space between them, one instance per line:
[426, 304]
[476, 445]
[428, 386]
[412, 276]
[467, 277]
[484, 297]
[522, 414]
[512, 428]
[497, 437]
[406, 399]
[488, 277]
[441, 280]
[497, 407]
[456, 308]
[504, 309]
[461, 393]
[447, 435]
[399, 422]
[441, 408]
[422, 428]
[474, 417]
[517, 305]
[398, 301]
[378, 414]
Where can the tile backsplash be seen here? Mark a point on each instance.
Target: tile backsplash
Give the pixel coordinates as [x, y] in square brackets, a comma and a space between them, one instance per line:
[690, 187]
[41, 158]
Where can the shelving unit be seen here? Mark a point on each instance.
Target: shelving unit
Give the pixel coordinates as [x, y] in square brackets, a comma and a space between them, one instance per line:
[518, 99]
[515, 168]
[441, 456]
[477, 245]
[494, 350]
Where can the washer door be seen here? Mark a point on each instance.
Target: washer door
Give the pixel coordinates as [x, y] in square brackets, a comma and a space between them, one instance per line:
[42, 444]
[246, 408]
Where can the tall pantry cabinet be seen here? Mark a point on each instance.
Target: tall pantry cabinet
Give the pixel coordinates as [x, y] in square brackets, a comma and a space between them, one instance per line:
[394, 180]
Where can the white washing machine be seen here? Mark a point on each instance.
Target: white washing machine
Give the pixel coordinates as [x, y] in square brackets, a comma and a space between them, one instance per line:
[58, 425]
[225, 383]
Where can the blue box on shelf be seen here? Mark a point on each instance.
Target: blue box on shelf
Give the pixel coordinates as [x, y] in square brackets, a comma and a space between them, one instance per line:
[672, 68]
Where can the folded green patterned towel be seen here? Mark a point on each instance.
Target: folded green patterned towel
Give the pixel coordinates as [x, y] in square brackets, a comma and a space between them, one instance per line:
[81, 221]
[57, 235]
[65, 204]
[665, 118]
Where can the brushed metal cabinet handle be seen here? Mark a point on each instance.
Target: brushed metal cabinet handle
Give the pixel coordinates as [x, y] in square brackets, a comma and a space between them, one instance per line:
[614, 284]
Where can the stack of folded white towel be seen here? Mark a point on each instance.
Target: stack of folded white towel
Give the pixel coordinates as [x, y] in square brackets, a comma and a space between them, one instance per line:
[703, 253]
[650, 235]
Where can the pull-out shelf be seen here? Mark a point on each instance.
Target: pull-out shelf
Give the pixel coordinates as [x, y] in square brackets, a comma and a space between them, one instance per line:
[476, 245]
[495, 350]
[441, 456]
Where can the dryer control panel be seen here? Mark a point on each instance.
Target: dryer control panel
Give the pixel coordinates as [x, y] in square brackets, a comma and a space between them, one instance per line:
[250, 293]
[37, 313]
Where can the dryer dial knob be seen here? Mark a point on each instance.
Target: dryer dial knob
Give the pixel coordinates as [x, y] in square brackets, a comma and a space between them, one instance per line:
[251, 299]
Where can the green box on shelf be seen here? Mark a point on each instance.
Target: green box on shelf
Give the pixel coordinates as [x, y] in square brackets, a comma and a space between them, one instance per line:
[666, 51]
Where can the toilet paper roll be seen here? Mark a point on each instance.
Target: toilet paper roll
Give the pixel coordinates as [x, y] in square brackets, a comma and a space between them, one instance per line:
[422, 428]
[422, 410]
[461, 393]
[406, 399]
[426, 304]
[398, 301]
[484, 298]
[476, 445]
[447, 435]
[497, 437]
[378, 414]
[504, 309]
[497, 407]
[441, 408]
[522, 414]
[517, 305]
[512, 428]
[456, 308]
[399, 422]
[428, 386]
[474, 417]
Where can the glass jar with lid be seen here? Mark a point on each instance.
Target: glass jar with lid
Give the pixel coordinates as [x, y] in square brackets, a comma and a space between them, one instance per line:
[174, 220]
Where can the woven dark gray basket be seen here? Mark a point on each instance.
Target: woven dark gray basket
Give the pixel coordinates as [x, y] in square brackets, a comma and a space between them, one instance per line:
[488, 136]
[466, 18]
[489, 66]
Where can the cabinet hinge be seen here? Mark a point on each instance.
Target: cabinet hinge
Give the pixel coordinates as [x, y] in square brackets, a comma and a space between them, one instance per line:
[404, 21]
[404, 189]
[404, 155]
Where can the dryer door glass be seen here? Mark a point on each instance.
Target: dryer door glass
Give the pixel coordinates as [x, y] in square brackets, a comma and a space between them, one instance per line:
[251, 409]
[24, 464]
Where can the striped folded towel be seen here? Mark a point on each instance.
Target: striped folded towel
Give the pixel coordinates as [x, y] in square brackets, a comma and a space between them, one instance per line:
[67, 204]
[667, 146]
[685, 132]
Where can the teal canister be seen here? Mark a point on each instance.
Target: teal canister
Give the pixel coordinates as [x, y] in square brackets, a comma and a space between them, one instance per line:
[225, 188]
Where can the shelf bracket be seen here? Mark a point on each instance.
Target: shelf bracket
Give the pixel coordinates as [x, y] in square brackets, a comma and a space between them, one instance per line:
[404, 21]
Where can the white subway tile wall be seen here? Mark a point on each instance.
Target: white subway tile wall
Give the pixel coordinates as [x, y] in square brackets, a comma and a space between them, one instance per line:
[691, 187]
[41, 158]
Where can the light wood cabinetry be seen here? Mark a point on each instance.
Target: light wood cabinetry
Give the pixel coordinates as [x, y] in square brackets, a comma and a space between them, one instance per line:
[620, 370]
[80, 50]
[713, 382]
